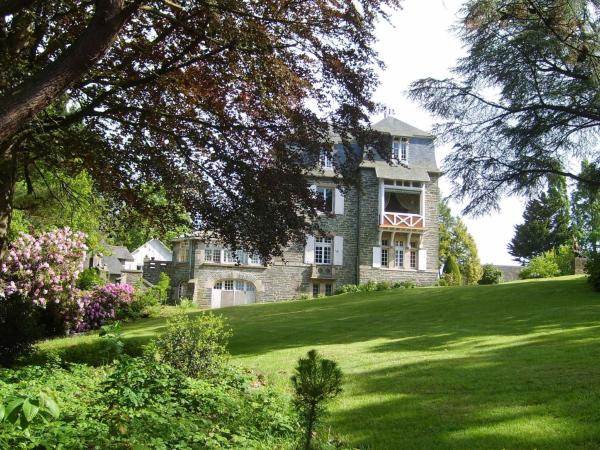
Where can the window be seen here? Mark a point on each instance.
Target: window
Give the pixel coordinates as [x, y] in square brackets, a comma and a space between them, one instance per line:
[182, 254]
[325, 194]
[329, 289]
[323, 250]
[228, 285]
[315, 289]
[326, 161]
[413, 255]
[218, 285]
[240, 285]
[228, 256]
[384, 253]
[181, 291]
[212, 254]
[400, 149]
[399, 257]
[254, 259]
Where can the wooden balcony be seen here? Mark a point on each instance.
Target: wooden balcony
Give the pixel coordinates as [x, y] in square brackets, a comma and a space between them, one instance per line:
[402, 220]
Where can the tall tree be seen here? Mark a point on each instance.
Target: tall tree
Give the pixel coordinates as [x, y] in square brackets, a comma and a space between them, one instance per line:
[524, 100]
[224, 105]
[546, 223]
[458, 246]
[585, 207]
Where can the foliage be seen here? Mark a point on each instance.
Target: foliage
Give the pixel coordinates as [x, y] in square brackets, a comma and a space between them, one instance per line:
[491, 275]
[592, 268]
[372, 286]
[546, 223]
[43, 268]
[104, 304]
[19, 322]
[140, 403]
[585, 206]
[37, 289]
[112, 338]
[196, 346]
[565, 259]
[523, 102]
[316, 380]
[542, 266]
[22, 411]
[52, 199]
[452, 274]
[89, 279]
[456, 241]
[141, 96]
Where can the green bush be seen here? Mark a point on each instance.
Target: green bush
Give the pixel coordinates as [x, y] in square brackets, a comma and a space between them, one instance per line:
[565, 259]
[89, 279]
[543, 266]
[315, 381]
[196, 346]
[141, 403]
[452, 273]
[491, 275]
[19, 325]
[592, 268]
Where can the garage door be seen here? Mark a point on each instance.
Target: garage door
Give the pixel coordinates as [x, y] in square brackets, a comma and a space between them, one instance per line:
[232, 293]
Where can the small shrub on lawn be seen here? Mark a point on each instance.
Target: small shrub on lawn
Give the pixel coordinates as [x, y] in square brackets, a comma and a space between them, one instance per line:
[316, 380]
[19, 328]
[543, 266]
[196, 346]
[491, 275]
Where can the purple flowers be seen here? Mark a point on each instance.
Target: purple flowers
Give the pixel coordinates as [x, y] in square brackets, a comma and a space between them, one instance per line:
[102, 305]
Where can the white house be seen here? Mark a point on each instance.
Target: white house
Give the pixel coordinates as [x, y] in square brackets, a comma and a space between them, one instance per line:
[153, 249]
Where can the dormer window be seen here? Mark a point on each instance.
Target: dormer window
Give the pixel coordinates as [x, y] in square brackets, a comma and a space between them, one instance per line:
[326, 161]
[400, 149]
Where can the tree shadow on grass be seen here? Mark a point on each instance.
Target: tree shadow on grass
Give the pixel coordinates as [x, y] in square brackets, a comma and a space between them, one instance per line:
[542, 392]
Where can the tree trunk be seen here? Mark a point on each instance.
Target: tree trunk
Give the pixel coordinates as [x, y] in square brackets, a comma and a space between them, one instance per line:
[21, 104]
[8, 178]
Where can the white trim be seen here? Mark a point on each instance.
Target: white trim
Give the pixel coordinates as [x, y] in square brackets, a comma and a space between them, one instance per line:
[422, 262]
[338, 250]
[376, 256]
[338, 202]
[309, 250]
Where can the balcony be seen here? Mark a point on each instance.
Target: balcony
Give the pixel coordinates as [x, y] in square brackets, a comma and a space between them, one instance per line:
[402, 220]
[324, 272]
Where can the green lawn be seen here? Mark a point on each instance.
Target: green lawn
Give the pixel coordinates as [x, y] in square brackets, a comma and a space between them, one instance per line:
[484, 367]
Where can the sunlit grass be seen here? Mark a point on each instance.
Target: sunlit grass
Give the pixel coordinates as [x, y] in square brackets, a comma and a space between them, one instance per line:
[509, 366]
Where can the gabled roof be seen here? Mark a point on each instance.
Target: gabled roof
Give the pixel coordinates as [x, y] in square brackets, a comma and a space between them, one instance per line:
[118, 251]
[157, 242]
[398, 128]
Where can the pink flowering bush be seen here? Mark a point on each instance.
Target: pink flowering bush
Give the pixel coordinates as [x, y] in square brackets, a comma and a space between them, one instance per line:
[104, 304]
[43, 269]
[37, 289]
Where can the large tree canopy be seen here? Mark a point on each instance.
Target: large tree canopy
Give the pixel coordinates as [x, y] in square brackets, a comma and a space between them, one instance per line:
[223, 105]
[525, 99]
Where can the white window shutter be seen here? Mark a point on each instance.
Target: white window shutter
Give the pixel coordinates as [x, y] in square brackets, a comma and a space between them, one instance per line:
[423, 259]
[309, 250]
[376, 256]
[338, 250]
[338, 202]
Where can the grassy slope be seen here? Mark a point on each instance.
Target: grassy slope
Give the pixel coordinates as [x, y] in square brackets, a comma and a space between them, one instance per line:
[509, 366]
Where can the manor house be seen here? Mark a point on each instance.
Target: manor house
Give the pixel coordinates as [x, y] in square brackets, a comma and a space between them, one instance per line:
[387, 232]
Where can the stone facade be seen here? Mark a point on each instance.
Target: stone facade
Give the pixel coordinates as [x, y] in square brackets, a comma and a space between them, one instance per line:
[355, 227]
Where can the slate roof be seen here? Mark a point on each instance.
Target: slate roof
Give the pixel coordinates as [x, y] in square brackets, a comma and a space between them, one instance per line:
[398, 128]
[118, 251]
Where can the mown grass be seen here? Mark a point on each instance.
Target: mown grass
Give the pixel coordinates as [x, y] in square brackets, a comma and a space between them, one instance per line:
[484, 367]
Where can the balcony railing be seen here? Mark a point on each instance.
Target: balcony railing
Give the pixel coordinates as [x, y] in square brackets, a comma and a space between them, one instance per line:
[402, 220]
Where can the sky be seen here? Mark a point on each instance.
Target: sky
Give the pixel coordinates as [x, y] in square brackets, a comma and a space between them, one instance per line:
[419, 43]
